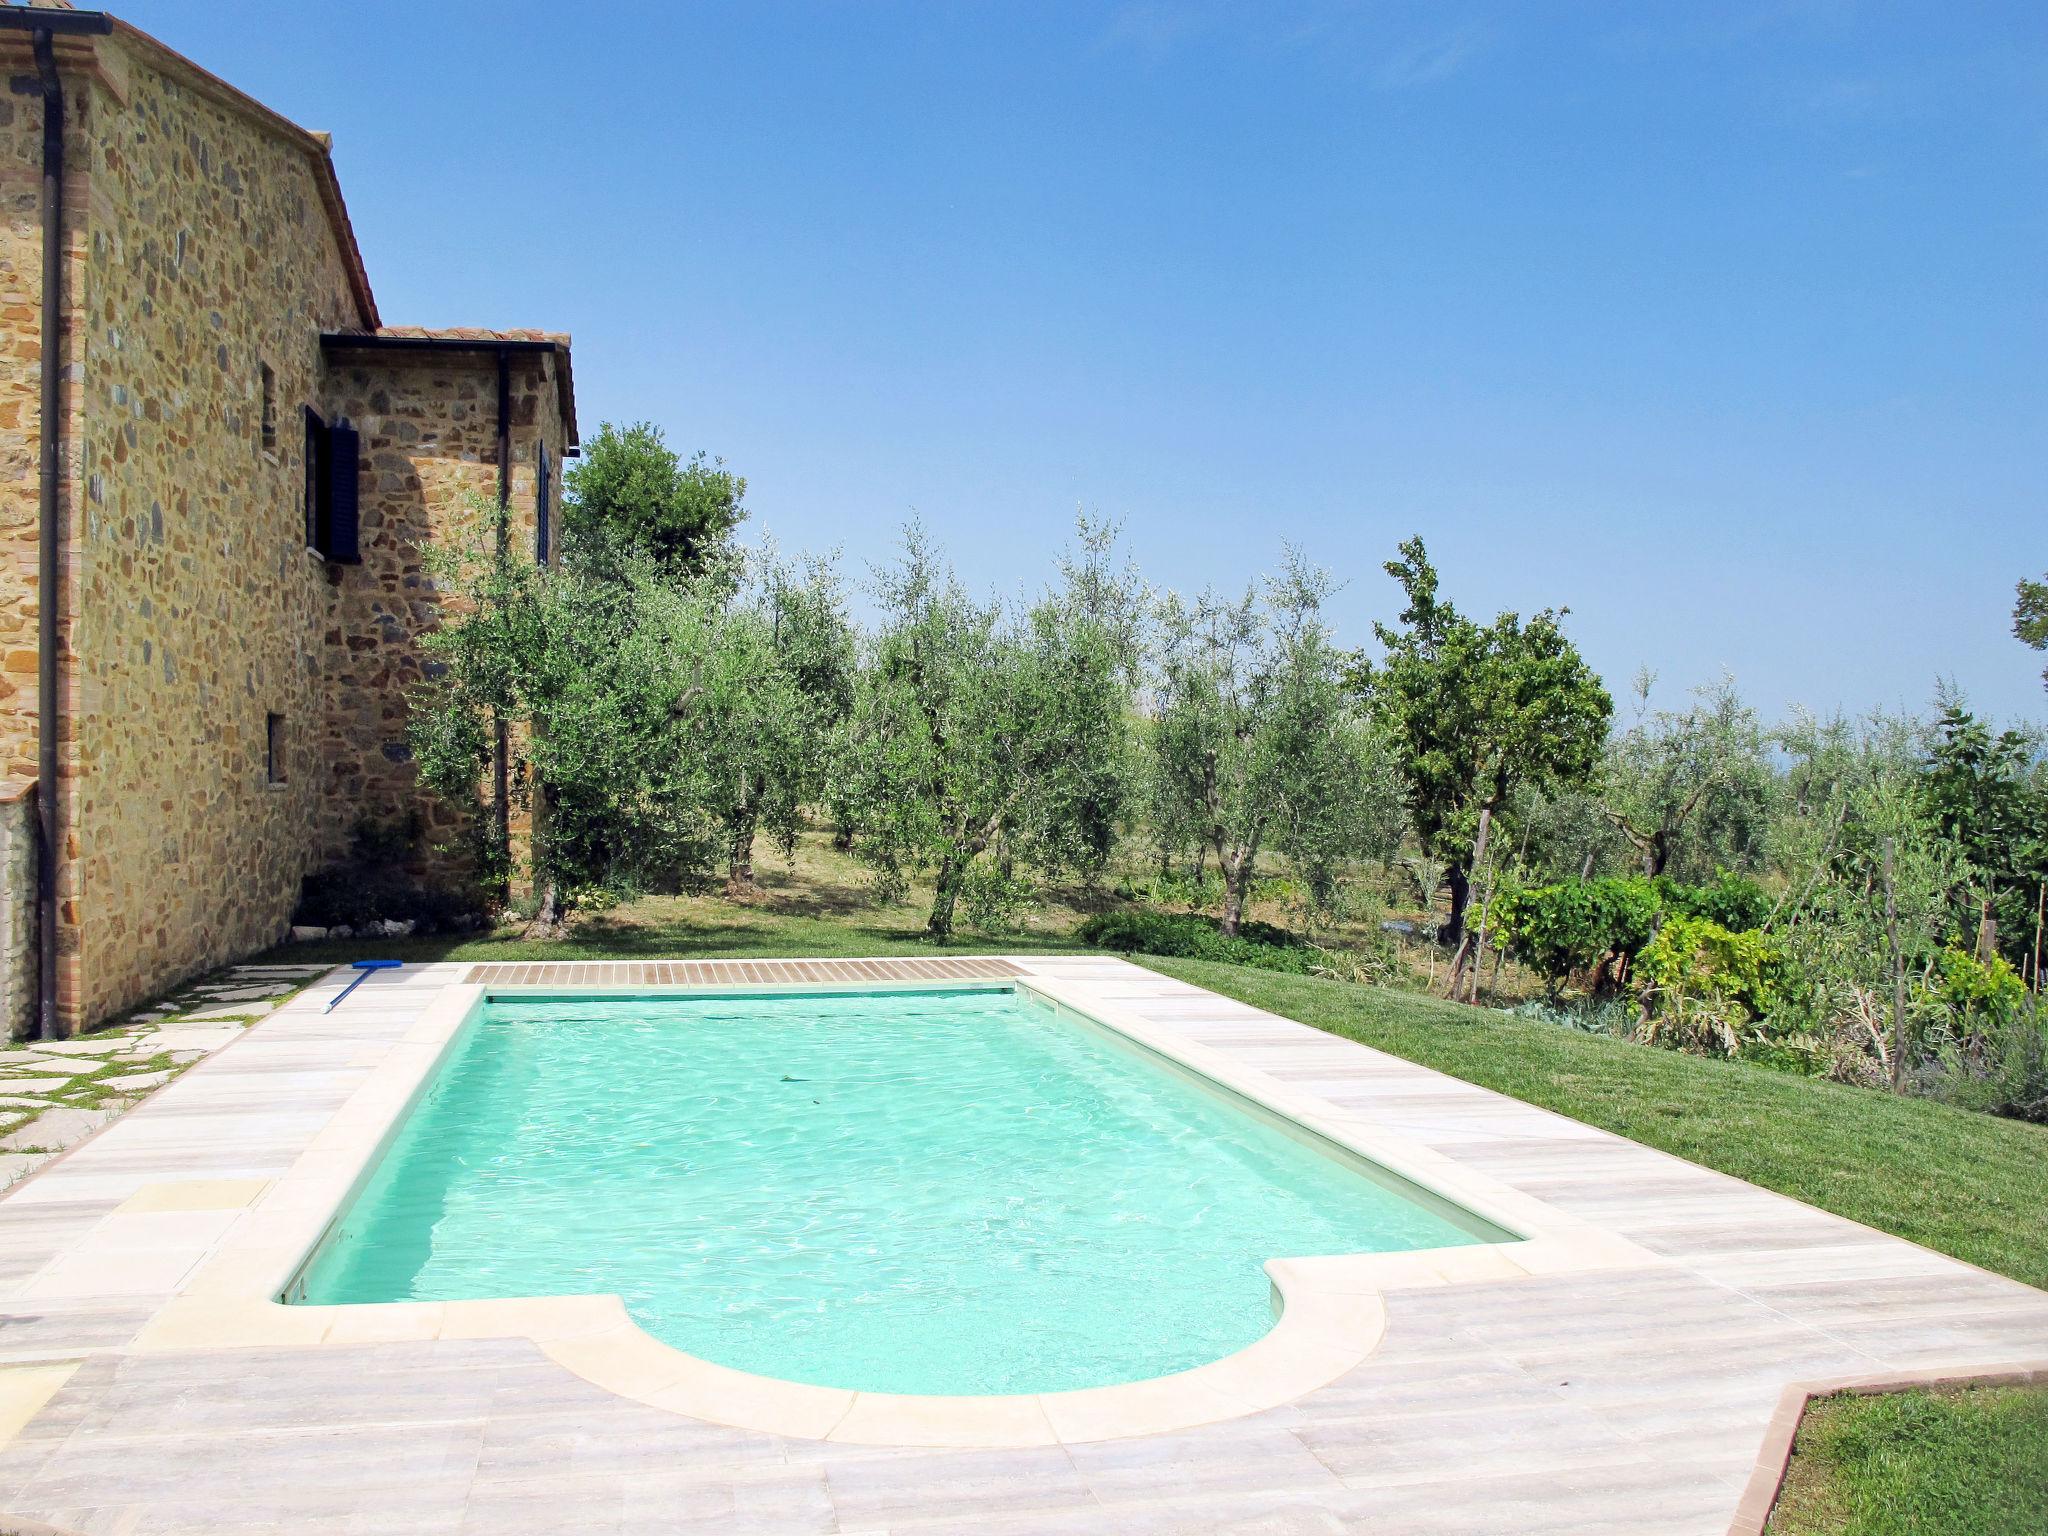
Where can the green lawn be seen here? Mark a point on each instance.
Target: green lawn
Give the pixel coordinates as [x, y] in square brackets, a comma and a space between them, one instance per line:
[1967, 1184]
[1962, 1462]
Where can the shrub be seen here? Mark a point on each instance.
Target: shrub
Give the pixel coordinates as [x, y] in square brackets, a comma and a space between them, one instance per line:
[1736, 903]
[1611, 1016]
[1188, 935]
[1995, 1054]
[352, 894]
[1560, 930]
[1706, 988]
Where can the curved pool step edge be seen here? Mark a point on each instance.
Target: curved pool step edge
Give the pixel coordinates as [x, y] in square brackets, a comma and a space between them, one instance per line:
[1320, 1335]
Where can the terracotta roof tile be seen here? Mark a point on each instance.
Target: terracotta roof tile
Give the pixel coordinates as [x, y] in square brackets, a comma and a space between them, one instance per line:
[469, 333]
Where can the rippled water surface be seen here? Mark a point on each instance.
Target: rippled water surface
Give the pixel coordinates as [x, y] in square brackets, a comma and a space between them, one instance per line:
[892, 1191]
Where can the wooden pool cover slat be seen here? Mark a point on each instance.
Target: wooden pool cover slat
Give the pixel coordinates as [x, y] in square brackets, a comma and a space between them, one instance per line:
[673, 973]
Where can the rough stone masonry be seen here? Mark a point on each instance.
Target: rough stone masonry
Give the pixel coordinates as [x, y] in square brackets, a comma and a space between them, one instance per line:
[233, 701]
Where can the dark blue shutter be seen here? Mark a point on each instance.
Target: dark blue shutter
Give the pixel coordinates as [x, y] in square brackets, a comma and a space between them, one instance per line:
[343, 450]
[542, 533]
[316, 479]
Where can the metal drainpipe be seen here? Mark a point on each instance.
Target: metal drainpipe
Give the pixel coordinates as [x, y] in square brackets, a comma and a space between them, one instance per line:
[503, 765]
[48, 588]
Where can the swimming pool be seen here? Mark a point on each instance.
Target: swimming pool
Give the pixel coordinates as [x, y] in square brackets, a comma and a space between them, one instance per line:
[898, 1190]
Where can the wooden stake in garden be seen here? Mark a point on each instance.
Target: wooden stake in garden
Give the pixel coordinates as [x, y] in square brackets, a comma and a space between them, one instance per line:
[1891, 931]
[2040, 910]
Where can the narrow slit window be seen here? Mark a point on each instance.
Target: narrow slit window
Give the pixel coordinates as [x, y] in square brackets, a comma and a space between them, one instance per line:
[273, 748]
[269, 418]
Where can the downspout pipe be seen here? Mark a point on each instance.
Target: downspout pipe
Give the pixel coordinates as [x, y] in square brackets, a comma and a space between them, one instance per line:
[48, 578]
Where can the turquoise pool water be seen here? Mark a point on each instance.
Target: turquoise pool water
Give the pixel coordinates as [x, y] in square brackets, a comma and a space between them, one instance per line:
[908, 1191]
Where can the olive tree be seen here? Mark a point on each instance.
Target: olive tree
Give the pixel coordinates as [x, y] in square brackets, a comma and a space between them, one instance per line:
[778, 679]
[1869, 878]
[598, 683]
[1690, 789]
[1255, 745]
[976, 727]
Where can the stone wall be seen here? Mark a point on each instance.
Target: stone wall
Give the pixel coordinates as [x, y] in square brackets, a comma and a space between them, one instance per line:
[204, 264]
[17, 910]
[21, 350]
[428, 421]
[193, 606]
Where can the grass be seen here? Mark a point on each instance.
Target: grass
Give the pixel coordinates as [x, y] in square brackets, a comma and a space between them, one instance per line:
[1967, 1461]
[1964, 1183]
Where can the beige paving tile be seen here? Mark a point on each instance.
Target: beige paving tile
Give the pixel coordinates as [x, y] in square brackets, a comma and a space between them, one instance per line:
[195, 1195]
[1616, 1388]
[23, 1391]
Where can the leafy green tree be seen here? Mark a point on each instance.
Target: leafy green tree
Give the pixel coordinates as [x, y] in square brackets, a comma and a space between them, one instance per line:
[778, 682]
[1476, 712]
[629, 493]
[976, 729]
[2030, 617]
[599, 681]
[1255, 744]
[1691, 788]
[1981, 792]
[1869, 879]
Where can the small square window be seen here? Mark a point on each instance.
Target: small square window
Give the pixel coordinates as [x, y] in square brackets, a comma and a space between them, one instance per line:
[273, 748]
[269, 418]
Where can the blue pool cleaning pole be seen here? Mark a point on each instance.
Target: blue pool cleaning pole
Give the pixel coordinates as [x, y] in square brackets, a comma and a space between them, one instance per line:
[365, 967]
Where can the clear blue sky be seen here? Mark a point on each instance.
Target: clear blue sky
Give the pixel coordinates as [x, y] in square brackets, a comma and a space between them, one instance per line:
[1724, 324]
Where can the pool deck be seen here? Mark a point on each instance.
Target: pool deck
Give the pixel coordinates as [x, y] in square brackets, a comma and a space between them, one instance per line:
[1628, 1389]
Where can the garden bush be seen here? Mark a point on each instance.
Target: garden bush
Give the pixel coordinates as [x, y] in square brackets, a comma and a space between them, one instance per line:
[1189, 935]
[1735, 902]
[1563, 930]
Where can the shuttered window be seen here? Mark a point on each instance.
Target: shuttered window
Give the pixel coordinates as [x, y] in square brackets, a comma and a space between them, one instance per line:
[332, 521]
[343, 523]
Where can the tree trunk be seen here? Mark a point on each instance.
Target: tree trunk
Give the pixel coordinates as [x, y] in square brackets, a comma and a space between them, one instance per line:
[945, 895]
[547, 913]
[739, 853]
[1468, 940]
[1236, 881]
[842, 837]
[1452, 934]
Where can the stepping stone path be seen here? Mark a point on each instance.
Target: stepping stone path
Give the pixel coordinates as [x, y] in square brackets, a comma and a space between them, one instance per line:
[55, 1093]
[139, 1082]
[234, 1011]
[37, 1062]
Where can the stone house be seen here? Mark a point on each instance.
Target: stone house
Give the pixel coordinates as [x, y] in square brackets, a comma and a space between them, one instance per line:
[223, 467]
